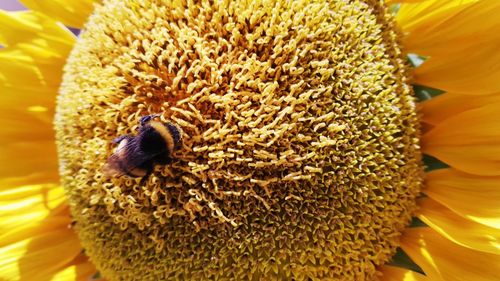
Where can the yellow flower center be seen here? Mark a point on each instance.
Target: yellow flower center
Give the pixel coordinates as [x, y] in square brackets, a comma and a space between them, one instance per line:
[300, 154]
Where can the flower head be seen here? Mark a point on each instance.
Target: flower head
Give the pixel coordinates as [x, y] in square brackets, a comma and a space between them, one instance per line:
[301, 154]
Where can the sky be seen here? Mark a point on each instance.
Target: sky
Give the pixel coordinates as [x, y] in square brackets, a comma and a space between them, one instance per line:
[10, 5]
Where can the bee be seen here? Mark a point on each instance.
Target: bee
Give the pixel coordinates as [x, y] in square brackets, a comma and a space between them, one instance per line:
[136, 156]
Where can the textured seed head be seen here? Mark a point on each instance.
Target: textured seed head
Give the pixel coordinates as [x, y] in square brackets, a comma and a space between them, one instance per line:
[300, 154]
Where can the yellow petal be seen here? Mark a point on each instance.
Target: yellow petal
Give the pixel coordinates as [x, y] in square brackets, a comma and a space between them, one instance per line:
[28, 210]
[473, 71]
[16, 65]
[473, 197]
[392, 273]
[389, 2]
[34, 102]
[25, 72]
[26, 116]
[36, 51]
[35, 178]
[474, 159]
[404, 1]
[35, 241]
[34, 29]
[71, 13]
[417, 17]
[461, 40]
[468, 141]
[458, 229]
[442, 259]
[25, 158]
[447, 105]
[30, 74]
[80, 269]
[459, 24]
[17, 232]
[25, 124]
[39, 257]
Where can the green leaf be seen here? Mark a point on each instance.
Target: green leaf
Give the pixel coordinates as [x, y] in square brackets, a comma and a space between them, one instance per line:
[415, 60]
[432, 163]
[401, 259]
[394, 8]
[416, 222]
[425, 93]
[96, 276]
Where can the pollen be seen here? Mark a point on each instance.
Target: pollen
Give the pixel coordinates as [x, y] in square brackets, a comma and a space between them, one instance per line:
[300, 157]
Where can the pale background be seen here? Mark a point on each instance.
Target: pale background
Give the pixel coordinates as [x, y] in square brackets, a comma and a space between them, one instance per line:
[15, 5]
[10, 5]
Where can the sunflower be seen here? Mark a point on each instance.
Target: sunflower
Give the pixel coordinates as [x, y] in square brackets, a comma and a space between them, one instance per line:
[322, 140]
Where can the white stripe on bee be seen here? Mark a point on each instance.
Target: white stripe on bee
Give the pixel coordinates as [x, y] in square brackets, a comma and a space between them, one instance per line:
[120, 150]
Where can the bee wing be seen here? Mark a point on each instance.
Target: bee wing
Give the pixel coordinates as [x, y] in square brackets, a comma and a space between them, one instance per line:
[113, 167]
[127, 160]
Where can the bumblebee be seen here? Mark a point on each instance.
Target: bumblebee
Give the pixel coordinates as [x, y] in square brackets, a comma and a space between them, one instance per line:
[136, 156]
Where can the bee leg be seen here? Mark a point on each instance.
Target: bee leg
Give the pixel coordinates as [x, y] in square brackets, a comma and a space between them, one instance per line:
[145, 177]
[120, 138]
[143, 180]
[149, 168]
